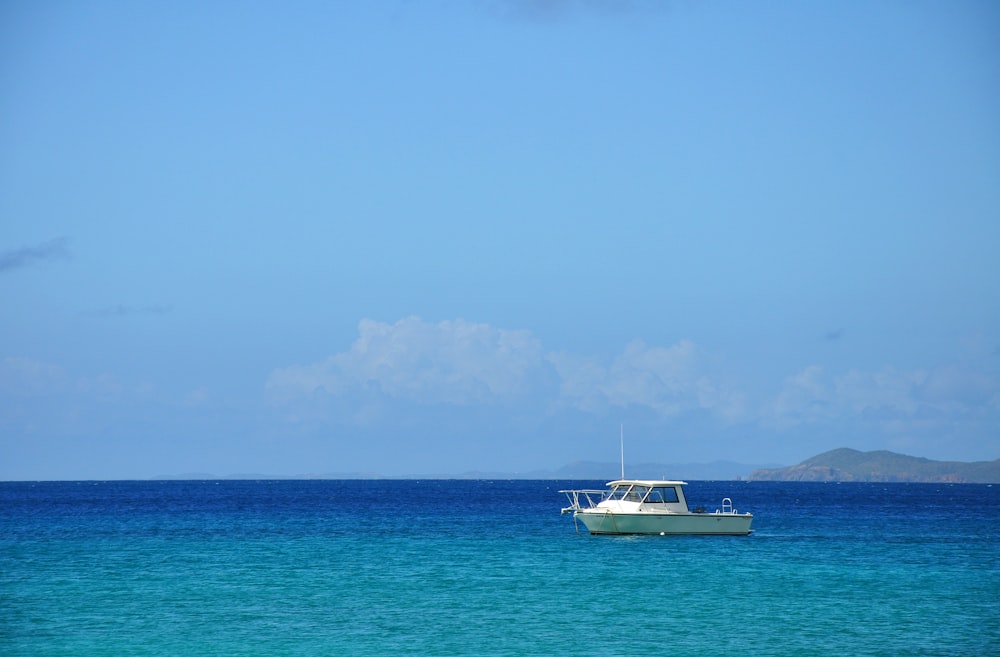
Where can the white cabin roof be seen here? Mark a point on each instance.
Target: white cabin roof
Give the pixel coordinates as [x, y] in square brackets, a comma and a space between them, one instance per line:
[647, 482]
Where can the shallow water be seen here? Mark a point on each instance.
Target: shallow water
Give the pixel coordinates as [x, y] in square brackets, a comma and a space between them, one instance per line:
[490, 568]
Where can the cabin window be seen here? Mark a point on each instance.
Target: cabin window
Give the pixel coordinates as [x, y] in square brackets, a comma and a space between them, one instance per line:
[662, 495]
[637, 493]
[619, 492]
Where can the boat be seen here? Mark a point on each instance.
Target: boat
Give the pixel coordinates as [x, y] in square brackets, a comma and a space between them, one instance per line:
[645, 506]
[650, 506]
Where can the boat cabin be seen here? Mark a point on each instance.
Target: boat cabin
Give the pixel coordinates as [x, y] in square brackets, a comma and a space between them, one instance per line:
[646, 506]
[640, 495]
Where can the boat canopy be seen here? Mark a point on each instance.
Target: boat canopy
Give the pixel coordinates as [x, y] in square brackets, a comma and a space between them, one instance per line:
[648, 482]
[645, 491]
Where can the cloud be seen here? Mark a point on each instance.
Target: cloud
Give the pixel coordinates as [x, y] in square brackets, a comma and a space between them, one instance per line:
[669, 380]
[894, 400]
[465, 363]
[416, 373]
[886, 390]
[804, 398]
[29, 255]
[453, 362]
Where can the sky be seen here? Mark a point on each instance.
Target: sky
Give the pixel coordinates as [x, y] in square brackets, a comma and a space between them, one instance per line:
[489, 236]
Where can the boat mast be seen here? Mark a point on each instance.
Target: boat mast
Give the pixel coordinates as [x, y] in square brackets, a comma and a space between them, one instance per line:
[623, 450]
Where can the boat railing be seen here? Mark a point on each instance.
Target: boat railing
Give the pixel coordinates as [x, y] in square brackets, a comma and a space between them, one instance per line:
[583, 499]
[727, 508]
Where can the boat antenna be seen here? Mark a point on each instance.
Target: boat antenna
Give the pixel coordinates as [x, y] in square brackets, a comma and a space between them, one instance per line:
[623, 450]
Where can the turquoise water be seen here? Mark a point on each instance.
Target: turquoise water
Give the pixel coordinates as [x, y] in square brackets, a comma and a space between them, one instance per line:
[490, 568]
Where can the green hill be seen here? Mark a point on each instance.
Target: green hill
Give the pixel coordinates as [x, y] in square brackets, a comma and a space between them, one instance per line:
[851, 465]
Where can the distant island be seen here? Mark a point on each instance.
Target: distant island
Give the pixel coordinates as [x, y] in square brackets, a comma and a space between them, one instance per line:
[851, 465]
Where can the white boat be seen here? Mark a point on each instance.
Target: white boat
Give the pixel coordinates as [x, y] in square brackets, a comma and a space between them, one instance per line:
[640, 506]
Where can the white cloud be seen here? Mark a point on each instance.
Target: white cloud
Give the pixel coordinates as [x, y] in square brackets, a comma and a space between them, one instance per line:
[895, 400]
[581, 381]
[669, 380]
[392, 369]
[804, 398]
[465, 363]
[662, 378]
[455, 362]
[959, 387]
[887, 390]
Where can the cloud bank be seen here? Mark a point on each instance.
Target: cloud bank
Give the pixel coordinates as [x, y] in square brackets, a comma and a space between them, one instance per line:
[459, 362]
[892, 399]
[398, 368]
[452, 362]
[667, 380]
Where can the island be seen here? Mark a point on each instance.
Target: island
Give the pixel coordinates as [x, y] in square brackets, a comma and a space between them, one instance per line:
[846, 464]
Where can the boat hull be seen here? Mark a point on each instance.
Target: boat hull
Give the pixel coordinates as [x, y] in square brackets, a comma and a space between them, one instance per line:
[606, 522]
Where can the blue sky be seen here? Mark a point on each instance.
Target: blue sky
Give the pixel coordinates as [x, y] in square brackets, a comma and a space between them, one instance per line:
[437, 237]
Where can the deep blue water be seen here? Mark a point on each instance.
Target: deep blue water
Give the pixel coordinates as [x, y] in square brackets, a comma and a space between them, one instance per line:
[490, 568]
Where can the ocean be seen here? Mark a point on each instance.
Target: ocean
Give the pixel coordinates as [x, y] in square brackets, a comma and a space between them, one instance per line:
[442, 567]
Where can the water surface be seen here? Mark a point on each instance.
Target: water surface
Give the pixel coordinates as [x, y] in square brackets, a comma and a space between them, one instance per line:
[490, 568]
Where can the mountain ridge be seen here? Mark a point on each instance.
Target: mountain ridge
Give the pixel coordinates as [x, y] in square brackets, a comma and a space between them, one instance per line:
[846, 464]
